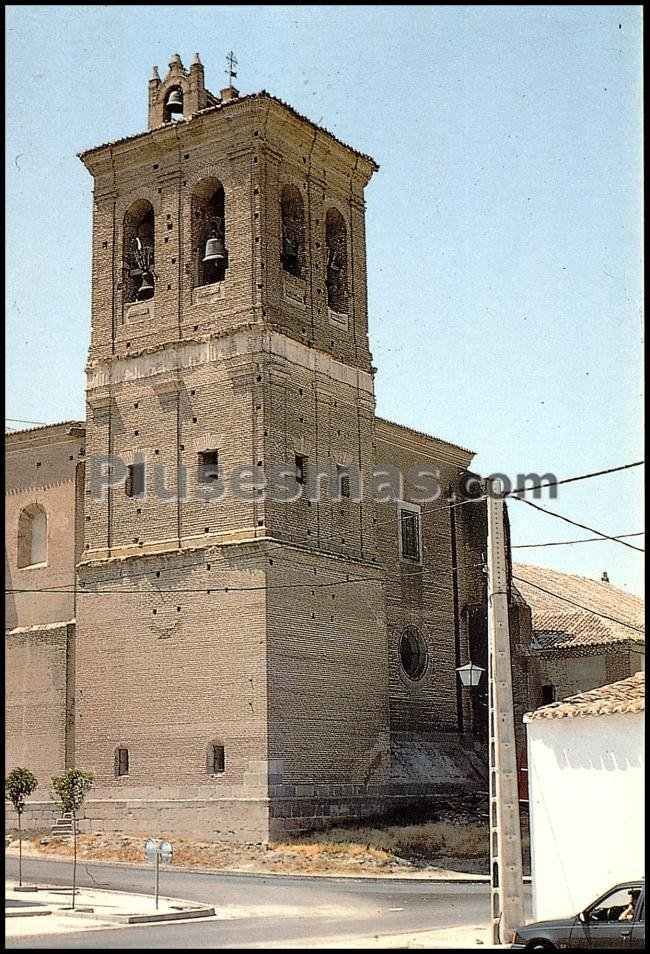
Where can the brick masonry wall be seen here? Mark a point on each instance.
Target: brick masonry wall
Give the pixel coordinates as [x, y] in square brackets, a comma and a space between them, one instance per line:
[422, 595]
[328, 421]
[188, 670]
[41, 468]
[327, 673]
[572, 674]
[36, 700]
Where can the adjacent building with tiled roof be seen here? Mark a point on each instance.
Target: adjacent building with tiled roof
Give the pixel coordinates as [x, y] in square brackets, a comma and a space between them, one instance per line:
[584, 633]
[627, 695]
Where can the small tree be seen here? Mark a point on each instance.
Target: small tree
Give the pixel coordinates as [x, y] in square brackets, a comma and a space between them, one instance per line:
[19, 785]
[70, 790]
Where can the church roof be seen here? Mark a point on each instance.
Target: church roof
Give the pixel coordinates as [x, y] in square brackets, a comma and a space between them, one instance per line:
[263, 94]
[628, 695]
[11, 431]
[616, 616]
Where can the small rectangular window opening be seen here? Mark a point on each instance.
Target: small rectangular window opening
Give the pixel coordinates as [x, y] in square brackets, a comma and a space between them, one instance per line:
[208, 466]
[217, 760]
[548, 695]
[343, 480]
[122, 762]
[301, 465]
[134, 483]
[410, 534]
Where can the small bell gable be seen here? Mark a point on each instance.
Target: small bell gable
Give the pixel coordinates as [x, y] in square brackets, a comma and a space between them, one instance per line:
[180, 95]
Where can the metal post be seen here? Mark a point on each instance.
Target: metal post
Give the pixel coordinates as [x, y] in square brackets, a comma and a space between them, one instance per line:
[157, 874]
[506, 876]
[74, 856]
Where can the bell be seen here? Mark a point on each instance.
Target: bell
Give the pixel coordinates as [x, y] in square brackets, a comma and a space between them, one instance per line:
[175, 101]
[146, 289]
[215, 250]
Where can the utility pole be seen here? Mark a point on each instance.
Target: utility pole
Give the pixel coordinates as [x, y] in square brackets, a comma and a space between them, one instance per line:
[506, 876]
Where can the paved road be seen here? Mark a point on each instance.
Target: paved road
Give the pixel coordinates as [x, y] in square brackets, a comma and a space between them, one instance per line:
[254, 909]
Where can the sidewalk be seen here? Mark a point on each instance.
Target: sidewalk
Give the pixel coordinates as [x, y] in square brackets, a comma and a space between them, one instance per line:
[47, 910]
[445, 938]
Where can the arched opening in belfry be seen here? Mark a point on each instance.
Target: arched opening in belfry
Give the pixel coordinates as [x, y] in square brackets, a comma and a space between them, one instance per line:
[139, 251]
[293, 230]
[174, 105]
[336, 262]
[209, 232]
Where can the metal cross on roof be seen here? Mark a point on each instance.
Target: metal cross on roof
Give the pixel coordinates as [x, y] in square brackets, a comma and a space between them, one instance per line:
[231, 69]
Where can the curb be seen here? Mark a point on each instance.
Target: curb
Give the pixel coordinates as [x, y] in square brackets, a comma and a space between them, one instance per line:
[257, 873]
[27, 913]
[165, 916]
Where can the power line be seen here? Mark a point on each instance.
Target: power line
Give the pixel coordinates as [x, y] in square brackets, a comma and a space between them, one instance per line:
[60, 590]
[570, 480]
[203, 589]
[582, 526]
[564, 543]
[588, 609]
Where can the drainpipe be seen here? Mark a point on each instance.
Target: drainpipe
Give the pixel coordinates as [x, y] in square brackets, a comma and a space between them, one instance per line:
[454, 581]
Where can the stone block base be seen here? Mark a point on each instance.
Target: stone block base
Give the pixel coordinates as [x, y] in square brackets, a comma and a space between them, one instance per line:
[235, 820]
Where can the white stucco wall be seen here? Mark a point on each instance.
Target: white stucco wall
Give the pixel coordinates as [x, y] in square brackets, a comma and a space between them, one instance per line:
[585, 779]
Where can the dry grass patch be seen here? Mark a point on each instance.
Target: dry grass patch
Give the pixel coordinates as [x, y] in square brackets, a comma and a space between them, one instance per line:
[357, 849]
[425, 841]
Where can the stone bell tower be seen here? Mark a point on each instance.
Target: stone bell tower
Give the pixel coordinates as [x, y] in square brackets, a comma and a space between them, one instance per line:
[230, 418]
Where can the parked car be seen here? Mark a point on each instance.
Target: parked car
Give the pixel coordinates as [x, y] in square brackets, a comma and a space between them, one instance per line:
[615, 921]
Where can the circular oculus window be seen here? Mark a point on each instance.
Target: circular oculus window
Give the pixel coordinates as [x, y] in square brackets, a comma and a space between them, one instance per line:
[413, 653]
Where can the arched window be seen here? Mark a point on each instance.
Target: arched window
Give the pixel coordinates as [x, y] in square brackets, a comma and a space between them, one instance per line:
[336, 251]
[173, 108]
[139, 248]
[209, 232]
[293, 230]
[32, 536]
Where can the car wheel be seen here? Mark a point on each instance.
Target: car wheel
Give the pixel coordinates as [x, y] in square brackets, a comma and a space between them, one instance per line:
[540, 946]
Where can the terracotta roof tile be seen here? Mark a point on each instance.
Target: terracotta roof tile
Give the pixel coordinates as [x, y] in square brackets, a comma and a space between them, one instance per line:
[225, 105]
[10, 432]
[628, 695]
[559, 625]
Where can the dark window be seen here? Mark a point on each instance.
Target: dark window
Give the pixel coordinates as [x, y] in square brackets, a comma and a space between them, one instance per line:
[216, 759]
[336, 261]
[410, 534]
[122, 762]
[301, 464]
[134, 484]
[208, 466]
[343, 480]
[413, 653]
[293, 230]
[548, 695]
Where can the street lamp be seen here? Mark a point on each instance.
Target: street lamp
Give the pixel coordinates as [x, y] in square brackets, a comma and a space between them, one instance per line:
[470, 675]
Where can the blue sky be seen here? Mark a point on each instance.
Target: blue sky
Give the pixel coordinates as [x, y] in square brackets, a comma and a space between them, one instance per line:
[503, 228]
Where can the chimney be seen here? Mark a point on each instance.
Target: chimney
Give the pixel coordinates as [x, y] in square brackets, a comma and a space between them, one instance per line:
[604, 578]
[229, 93]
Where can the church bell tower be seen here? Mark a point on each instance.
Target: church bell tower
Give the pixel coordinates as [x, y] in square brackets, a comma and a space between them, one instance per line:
[230, 414]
